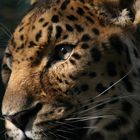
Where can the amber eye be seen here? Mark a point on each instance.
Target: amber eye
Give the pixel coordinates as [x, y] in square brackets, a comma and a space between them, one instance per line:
[63, 51]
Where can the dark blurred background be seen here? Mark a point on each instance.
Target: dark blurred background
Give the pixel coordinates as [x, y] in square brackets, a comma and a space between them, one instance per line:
[11, 12]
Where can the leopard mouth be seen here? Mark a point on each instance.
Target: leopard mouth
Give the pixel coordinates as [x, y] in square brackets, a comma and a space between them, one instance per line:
[62, 131]
[73, 130]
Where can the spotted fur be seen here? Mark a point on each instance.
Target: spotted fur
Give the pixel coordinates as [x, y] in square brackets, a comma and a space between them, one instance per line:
[71, 71]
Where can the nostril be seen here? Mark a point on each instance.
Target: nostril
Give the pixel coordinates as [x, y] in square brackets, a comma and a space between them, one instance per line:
[21, 119]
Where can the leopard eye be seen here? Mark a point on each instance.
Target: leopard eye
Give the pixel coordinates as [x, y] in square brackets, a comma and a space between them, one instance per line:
[63, 51]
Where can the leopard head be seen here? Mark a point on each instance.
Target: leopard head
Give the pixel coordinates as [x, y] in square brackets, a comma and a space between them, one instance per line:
[61, 60]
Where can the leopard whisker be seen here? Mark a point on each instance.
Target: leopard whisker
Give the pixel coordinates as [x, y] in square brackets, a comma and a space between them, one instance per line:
[85, 128]
[5, 30]
[63, 137]
[118, 81]
[68, 125]
[2, 118]
[51, 133]
[91, 118]
[114, 83]
[5, 135]
[54, 135]
[3, 131]
[95, 112]
[64, 127]
[65, 131]
[45, 134]
[105, 102]
[93, 103]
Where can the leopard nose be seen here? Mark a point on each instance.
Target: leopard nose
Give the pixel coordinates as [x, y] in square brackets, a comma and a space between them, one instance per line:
[21, 119]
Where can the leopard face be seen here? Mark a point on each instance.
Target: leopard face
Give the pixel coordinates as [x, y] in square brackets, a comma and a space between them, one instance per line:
[65, 70]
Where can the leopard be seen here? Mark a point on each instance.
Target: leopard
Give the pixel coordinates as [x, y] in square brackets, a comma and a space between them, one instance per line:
[71, 71]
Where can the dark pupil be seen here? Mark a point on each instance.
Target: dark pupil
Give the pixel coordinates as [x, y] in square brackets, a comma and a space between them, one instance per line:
[63, 50]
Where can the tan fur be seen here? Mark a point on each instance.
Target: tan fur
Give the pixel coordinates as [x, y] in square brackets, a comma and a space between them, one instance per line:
[47, 86]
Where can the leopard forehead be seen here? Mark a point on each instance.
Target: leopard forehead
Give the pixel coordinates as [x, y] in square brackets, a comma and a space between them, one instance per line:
[65, 22]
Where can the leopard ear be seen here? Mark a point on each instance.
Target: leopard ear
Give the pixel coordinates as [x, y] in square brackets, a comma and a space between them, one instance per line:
[125, 12]
[117, 12]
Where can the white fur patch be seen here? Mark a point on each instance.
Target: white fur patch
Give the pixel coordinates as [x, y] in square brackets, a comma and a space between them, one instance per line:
[123, 19]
